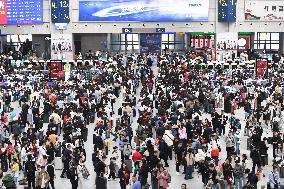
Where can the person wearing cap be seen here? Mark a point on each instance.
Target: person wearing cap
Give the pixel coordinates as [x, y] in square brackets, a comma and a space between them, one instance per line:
[42, 179]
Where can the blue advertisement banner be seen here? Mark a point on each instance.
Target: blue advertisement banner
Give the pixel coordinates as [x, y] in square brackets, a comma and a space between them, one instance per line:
[150, 43]
[144, 10]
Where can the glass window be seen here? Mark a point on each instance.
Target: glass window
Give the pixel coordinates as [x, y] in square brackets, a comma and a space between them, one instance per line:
[173, 42]
[122, 42]
[114, 37]
[274, 46]
[180, 38]
[171, 37]
[274, 36]
[135, 37]
[164, 37]
[129, 37]
[267, 41]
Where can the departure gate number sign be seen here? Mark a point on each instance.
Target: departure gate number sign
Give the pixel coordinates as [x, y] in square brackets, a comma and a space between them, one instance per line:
[60, 11]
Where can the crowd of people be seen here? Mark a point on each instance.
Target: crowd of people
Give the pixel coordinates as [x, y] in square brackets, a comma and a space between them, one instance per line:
[174, 111]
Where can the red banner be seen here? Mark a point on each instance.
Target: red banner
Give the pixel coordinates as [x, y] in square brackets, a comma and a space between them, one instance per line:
[3, 12]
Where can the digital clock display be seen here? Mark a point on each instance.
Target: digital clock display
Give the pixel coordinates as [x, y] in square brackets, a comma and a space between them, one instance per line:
[227, 10]
[60, 11]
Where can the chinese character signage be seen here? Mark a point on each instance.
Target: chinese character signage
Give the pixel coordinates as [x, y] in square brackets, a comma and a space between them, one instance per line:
[21, 12]
[60, 11]
[264, 10]
[227, 10]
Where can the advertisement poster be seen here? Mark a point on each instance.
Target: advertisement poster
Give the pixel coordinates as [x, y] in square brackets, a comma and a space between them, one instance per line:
[264, 10]
[227, 41]
[261, 66]
[150, 43]
[61, 43]
[202, 41]
[144, 10]
[55, 69]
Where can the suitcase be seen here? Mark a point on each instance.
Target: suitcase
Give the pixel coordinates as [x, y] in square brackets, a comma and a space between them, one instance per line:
[58, 164]
[266, 159]
[134, 112]
[281, 172]
[248, 143]
[119, 112]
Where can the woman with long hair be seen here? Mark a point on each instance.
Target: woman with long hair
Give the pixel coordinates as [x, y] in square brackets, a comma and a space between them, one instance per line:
[124, 175]
[163, 178]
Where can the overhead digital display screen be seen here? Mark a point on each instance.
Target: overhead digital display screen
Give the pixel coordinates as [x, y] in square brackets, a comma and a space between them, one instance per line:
[60, 11]
[143, 10]
[227, 10]
[21, 12]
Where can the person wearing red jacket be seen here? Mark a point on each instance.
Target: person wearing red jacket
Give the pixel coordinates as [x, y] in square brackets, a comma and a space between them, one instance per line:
[137, 157]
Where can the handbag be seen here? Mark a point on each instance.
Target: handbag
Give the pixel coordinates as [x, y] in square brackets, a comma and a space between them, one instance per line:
[85, 172]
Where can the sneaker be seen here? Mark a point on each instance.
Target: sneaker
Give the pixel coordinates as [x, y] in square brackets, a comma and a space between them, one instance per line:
[114, 179]
[178, 173]
[109, 179]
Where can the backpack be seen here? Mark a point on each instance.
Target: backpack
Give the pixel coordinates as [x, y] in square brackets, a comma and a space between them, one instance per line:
[238, 171]
[8, 181]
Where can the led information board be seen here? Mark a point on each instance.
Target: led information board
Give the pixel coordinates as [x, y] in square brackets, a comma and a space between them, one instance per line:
[143, 10]
[21, 12]
[227, 10]
[60, 11]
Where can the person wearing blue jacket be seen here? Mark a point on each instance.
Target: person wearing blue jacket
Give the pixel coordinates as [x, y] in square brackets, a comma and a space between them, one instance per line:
[135, 183]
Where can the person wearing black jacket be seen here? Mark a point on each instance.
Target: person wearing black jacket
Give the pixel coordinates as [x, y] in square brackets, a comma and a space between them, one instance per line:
[67, 155]
[30, 170]
[51, 172]
[143, 173]
[255, 156]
